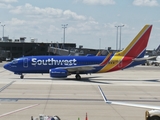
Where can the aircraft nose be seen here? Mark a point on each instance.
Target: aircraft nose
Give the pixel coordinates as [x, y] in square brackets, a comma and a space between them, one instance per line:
[7, 66]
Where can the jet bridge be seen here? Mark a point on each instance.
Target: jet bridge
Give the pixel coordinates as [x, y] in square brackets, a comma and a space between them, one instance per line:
[57, 50]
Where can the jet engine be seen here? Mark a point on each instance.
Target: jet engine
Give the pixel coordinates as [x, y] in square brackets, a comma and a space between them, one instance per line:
[58, 73]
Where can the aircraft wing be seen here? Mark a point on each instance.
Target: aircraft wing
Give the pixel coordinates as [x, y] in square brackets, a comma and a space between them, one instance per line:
[80, 68]
[126, 104]
[141, 59]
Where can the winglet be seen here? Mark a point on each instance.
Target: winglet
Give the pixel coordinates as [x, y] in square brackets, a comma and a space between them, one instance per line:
[99, 53]
[103, 95]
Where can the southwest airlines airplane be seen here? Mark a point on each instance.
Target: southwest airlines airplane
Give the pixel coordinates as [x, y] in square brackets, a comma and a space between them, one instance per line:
[63, 66]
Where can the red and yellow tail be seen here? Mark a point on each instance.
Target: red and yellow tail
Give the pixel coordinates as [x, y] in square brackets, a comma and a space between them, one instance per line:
[138, 45]
[124, 58]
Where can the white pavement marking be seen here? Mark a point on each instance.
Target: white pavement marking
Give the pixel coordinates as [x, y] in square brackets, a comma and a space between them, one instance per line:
[5, 114]
[4, 87]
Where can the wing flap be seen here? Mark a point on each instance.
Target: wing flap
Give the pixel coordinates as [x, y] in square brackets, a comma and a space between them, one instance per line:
[79, 68]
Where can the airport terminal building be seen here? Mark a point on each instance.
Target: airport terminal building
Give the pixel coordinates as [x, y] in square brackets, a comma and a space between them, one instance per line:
[14, 49]
[18, 48]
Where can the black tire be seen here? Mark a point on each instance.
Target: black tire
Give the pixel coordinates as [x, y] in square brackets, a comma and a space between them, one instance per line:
[155, 118]
[78, 77]
[22, 76]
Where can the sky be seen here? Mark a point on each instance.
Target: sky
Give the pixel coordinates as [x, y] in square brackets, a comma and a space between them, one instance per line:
[90, 23]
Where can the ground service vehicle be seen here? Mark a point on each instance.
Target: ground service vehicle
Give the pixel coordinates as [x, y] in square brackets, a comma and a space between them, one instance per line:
[152, 115]
[45, 117]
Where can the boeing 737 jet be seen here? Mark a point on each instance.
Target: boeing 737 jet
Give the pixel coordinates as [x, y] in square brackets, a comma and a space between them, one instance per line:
[63, 66]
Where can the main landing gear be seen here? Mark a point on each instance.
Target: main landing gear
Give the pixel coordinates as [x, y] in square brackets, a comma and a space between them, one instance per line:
[22, 76]
[78, 77]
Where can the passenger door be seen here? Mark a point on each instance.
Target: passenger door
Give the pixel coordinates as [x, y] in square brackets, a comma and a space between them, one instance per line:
[25, 62]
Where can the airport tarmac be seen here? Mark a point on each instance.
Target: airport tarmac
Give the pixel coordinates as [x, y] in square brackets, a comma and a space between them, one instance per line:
[71, 99]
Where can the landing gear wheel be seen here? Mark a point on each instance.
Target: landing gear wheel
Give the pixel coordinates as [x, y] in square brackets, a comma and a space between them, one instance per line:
[155, 118]
[78, 77]
[22, 76]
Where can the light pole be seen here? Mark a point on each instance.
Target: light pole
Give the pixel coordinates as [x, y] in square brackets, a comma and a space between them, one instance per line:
[64, 26]
[99, 43]
[3, 31]
[120, 26]
[117, 38]
[0, 38]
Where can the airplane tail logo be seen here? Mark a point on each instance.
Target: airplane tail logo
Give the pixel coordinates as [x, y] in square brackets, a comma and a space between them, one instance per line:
[124, 58]
[138, 45]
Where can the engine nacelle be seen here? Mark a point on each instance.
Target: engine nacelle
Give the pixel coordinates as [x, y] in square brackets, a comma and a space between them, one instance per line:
[58, 73]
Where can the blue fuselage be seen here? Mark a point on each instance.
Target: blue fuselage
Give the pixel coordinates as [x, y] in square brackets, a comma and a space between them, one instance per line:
[42, 64]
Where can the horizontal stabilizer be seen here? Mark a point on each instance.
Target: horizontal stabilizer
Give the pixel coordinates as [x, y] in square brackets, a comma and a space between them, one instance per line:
[141, 59]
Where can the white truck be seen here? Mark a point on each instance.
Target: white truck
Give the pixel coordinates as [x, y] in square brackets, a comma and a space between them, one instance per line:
[156, 62]
[152, 115]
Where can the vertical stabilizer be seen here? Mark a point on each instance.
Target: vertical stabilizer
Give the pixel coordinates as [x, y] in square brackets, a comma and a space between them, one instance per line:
[138, 45]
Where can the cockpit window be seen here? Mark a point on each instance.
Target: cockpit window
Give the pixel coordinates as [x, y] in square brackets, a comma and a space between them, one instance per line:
[14, 61]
